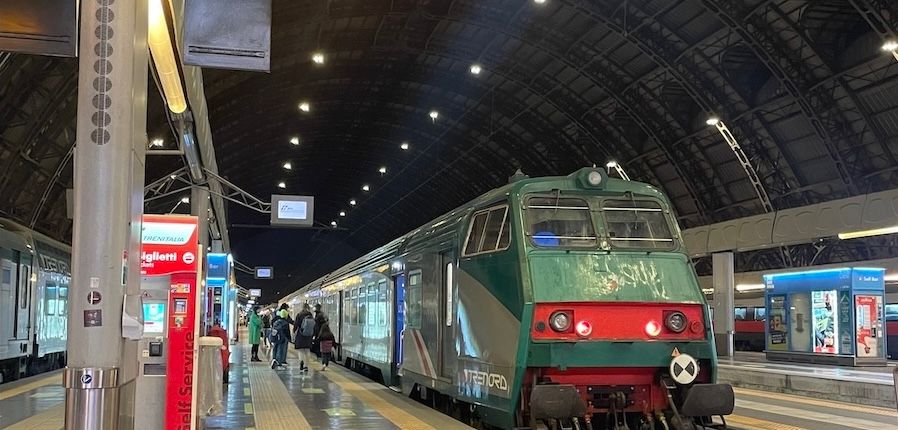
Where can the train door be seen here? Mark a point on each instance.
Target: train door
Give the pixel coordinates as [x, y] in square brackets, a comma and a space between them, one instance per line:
[448, 356]
[8, 298]
[23, 298]
[398, 328]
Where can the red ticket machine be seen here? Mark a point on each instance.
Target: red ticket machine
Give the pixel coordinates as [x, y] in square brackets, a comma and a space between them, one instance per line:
[170, 250]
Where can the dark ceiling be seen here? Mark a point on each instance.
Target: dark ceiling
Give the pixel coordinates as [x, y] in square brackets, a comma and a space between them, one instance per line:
[803, 86]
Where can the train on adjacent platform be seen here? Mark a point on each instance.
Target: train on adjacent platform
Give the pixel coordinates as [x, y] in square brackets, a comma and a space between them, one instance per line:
[35, 272]
[547, 302]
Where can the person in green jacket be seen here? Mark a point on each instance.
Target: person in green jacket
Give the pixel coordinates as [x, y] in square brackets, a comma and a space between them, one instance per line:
[255, 333]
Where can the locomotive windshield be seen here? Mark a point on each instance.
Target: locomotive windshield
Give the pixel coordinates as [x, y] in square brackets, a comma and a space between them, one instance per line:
[636, 224]
[560, 222]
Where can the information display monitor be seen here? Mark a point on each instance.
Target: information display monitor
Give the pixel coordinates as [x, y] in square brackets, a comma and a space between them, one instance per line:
[153, 318]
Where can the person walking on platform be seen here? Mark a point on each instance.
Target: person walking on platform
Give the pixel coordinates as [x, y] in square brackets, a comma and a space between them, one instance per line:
[280, 336]
[320, 320]
[304, 329]
[266, 329]
[326, 341]
[255, 333]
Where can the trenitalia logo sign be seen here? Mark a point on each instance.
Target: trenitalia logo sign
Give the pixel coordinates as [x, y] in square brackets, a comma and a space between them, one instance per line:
[169, 245]
[167, 233]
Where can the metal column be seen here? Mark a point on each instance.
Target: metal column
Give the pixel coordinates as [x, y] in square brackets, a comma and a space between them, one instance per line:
[199, 207]
[723, 302]
[108, 164]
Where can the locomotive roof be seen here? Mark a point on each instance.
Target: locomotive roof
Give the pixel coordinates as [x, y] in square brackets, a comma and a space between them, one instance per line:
[382, 255]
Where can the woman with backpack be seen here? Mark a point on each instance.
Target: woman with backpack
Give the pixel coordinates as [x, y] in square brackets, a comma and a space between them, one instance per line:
[304, 329]
[280, 336]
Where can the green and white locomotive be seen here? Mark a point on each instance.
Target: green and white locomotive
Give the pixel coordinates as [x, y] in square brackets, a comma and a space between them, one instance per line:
[558, 301]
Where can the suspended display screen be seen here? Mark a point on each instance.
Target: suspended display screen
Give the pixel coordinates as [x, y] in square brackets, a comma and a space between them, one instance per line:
[292, 210]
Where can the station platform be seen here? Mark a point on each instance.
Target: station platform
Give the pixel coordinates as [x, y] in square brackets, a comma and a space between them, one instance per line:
[258, 397]
[863, 385]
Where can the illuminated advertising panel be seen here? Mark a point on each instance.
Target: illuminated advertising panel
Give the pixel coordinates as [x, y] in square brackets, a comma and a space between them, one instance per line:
[170, 249]
[826, 321]
[168, 245]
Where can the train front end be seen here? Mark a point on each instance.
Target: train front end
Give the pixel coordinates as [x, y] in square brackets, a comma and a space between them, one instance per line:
[619, 334]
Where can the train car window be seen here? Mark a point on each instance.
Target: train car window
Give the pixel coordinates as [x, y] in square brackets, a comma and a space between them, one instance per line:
[637, 224]
[25, 295]
[372, 304]
[560, 222]
[62, 305]
[760, 314]
[475, 234]
[7, 276]
[892, 312]
[50, 292]
[494, 224]
[354, 307]
[347, 305]
[413, 300]
[740, 313]
[490, 231]
[382, 303]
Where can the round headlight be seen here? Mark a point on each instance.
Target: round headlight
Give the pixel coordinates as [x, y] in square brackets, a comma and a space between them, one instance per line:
[594, 178]
[560, 321]
[676, 322]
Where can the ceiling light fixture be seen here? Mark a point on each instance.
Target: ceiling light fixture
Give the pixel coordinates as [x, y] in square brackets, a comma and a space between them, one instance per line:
[712, 121]
[185, 199]
[157, 143]
[282, 185]
[475, 69]
[539, 1]
[434, 115]
[366, 187]
[890, 45]
[352, 202]
[318, 58]
[404, 146]
[342, 213]
[382, 170]
[288, 166]
[334, 224]
[305, 107]
[868, 233]
[294, 140]
[164, 58]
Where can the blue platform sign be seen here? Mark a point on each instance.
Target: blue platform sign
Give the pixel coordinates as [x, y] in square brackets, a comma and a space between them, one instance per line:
[217, 266]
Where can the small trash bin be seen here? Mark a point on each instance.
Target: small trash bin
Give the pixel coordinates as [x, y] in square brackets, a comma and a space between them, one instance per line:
[209, 383]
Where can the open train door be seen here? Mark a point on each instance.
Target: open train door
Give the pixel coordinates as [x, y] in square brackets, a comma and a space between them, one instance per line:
[398, 330]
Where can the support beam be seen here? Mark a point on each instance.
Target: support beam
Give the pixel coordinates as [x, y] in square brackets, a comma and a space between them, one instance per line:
[805, 224]
[109, 163]
[723, 303]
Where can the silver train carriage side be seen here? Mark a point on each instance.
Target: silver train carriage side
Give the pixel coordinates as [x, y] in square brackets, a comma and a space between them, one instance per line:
[34, 283]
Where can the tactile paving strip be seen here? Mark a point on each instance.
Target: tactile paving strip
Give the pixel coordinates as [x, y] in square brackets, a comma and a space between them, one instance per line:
[273, 407]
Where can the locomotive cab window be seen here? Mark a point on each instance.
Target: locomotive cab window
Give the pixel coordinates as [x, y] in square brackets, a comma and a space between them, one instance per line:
[490, 231]
[637, 224]
[560, 222]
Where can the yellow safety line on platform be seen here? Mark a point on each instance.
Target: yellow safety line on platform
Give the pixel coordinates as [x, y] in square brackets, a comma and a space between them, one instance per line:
[399, 417]
[755, 423]
[51, 419]
[780, 397]
[273, 407]
[49, 380]
[809, 415]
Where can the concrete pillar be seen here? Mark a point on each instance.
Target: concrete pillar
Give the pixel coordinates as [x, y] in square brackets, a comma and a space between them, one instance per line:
[723, 303]
[111, 138]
